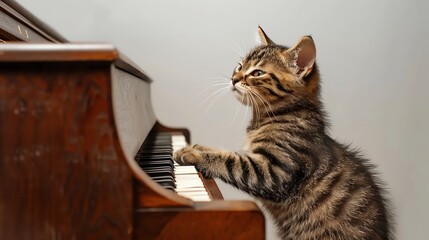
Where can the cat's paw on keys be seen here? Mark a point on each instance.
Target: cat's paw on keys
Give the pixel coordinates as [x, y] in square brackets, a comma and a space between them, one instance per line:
[188, 155]
[200, 147]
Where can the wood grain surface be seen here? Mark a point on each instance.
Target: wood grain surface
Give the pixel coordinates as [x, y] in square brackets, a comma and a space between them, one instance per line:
[62, 173]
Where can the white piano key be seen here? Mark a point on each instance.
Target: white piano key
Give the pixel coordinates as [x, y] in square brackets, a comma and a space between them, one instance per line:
[188, 182]
[192, 189]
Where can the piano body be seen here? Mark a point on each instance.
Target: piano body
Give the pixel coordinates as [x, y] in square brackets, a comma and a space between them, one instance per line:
[76, 126]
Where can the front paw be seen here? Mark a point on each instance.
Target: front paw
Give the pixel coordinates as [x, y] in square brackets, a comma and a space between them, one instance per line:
[188, 155]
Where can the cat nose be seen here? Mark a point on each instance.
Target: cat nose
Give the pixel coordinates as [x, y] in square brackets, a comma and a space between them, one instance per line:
[235, 80]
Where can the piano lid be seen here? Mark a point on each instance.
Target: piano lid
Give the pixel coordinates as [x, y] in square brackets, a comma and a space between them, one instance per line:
[18, 24]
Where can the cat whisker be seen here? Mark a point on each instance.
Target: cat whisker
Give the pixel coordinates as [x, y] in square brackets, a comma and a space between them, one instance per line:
[210, 87]
[221, 74]
[243, 48]
[237, 109]
[258, 110]
[236, 52]
[220, 93]
[247, 109]
[255, 106]
[240, 43]
[210, 81]
[213, 94]
[270, 113]
[266, 105]
[223, 79]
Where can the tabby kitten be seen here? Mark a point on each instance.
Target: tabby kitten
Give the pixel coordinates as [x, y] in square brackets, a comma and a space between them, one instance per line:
[313, 186]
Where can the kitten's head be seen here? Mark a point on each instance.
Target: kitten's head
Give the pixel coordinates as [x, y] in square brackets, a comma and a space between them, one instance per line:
[274, 74]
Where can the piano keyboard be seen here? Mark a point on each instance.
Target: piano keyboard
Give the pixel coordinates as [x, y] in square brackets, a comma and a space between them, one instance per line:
[155, 157]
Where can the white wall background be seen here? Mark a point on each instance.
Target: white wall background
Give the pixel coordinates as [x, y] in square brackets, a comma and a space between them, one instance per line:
[373, 57]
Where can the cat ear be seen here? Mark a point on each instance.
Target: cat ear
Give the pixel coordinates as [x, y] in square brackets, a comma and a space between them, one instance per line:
[303, 56]
[263, 37]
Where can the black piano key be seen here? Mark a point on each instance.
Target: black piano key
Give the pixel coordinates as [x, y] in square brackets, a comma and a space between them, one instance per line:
[167, 185]
[155, 151]
[155, 157]
[149, 156]
[158, 174]
[158, 168]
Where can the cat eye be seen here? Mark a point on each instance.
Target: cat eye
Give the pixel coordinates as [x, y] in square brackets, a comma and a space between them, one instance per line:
[257, 73]
[238, 68]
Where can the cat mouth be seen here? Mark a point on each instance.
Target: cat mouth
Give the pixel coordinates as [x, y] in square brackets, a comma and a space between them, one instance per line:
[235, 88]
[240, 94]
[236, 91]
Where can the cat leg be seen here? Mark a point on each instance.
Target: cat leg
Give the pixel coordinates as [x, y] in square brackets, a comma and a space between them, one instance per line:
[250, 172]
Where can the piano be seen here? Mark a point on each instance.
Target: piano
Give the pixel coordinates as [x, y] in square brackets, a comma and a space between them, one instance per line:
[82, 154]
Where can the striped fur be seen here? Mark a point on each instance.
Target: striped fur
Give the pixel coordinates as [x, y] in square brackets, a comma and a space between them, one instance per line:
[313, 186]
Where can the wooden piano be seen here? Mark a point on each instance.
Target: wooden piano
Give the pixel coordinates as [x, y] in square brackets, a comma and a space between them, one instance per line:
[77, 133]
